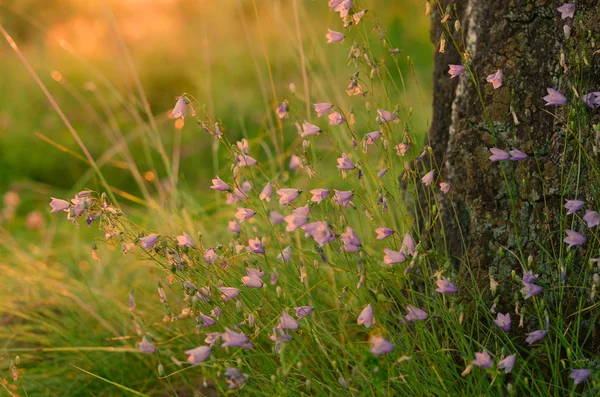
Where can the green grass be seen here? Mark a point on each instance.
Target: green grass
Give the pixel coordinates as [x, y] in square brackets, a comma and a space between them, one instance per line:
[68, 317]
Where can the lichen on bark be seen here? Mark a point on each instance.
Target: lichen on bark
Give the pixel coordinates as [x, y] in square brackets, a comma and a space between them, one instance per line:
[503, 213]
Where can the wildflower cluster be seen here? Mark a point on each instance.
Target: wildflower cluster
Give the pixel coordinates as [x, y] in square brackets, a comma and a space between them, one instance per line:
[330, 232]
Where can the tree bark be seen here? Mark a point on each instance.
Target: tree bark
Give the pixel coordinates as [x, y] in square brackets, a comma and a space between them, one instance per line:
[526, 40]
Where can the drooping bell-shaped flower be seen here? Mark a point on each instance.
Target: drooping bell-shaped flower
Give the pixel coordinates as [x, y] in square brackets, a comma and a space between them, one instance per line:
[554, 98]
[295, 162]
[145, 346]
[391, 257]
[579, 375]
[385, 116]
[243, 146]
[567, 10]
[535, 336]
[220, 185]
[344, 8]
[498, 154]
[334, 37]
[303, 311]
[309, 129]
[319, 195]
[206, 321]
[228, 293]
[428, 178]
[507, 364]
[380, 345]
[483, 359]
[255, 246]
[415, 314]
[592, 218]
[408, 245]
[212, 338]
[319, 231]
[80, 204]
[336, 118]
[350, 240]
[444, 187]
[266, 193]
[185, 240]
[287, 196]
[245, 161]
[285, 254]
[344, 163]
[445, 286]
[496, 79]
[197, 355]
[235, 339]
[371, 137]
[243, 214]
[288, 322]
[148, 242]
[252, 281]
[59, 205]
[503, 321]
[528, 276]
[366, 317]
[517, 155]
[322, 108]
[383, 232]
[530, 289]
[234, 227]
[210, 256]
[179, 111]
[343, 197]
[573, 238]
[455, 70]
[297, 218]
[573, 206]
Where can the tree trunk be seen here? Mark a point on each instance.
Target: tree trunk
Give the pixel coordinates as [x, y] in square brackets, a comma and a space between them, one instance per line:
[504, 212]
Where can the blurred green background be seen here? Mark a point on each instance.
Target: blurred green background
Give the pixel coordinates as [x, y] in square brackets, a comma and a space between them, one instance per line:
[91, 55]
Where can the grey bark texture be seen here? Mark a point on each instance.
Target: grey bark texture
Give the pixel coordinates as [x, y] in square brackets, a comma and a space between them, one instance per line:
[526, 40]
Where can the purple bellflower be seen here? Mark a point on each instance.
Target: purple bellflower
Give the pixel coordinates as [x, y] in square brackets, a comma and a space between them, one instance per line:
[322, 108]
[496, 79]
[507, 364]
[554, 97]
[498, 154]
[415, 314]
[483, 359]
[197, 355]
[380, 345]
[567, 10]
[445, 286]
[503, 321]
[455, 70]
[579, 375]
[573, 238]
[366, 317]
[334, 37]
[573, 206]
[592, 218]
[535, 336]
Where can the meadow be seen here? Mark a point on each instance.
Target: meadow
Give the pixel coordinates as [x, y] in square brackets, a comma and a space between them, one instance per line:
[243, 201]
